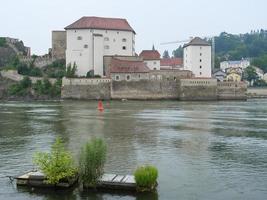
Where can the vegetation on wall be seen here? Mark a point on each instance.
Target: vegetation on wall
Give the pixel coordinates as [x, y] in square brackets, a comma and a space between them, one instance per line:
[91, 162]
[56, 70]
[21, 88]
[57, 164]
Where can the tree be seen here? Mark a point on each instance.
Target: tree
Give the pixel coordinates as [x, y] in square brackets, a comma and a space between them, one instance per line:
[250, 74]
[56, 165]
[71, 70]
[166, 54]
[178, 53]
[153, 47]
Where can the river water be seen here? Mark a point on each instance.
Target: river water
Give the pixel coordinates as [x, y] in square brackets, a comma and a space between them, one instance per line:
[203, 150]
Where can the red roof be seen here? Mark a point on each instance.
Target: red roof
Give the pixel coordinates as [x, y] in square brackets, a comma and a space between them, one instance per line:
[123, 66]
[150, 55]
[171, 62]
[101, 23]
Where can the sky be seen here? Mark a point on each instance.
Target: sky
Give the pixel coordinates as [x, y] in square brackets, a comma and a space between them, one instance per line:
[155, 21]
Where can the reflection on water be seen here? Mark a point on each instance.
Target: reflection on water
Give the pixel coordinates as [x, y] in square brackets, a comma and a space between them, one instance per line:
[203, 150]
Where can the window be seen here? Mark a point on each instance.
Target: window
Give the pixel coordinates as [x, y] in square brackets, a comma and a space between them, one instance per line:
[155, 68]
[106, 39]
[154, 62]
[106, 47]
[117, 77]
[200, 54]
[124, 40]
[139, 76]
[124, 47]
[200, 67]
[85, 46]
[118, 32]
[128, 77]
[200, 73]
[79, 38]
[200, 47]
[200, 60]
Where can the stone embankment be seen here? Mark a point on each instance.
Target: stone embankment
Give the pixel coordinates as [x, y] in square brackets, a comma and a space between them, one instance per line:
[194, 89]
[257, 92]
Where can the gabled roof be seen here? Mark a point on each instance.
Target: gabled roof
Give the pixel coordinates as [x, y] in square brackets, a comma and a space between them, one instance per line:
[197, 41]
[125, 66]
[150, 55]
[171, 62]
[101, 23]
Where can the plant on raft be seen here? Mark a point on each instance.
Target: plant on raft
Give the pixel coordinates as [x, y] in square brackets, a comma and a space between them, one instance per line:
[91, 162]
[146, 177]
[56, 165]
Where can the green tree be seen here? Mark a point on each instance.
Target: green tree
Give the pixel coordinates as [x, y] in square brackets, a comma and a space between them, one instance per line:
[178, 53]
[250, 74]
[71, 70]
[56, 165]
[166, 54]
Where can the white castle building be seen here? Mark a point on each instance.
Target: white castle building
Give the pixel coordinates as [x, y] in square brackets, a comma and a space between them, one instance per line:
[197, 57]
[91, 38]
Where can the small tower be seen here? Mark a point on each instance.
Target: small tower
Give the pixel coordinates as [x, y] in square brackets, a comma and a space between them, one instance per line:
[197, 57]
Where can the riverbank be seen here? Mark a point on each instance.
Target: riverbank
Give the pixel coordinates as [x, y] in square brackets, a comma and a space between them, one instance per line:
[257, 92]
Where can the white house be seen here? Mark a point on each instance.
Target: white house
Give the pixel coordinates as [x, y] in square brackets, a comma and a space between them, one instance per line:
[89, 39]
[242, 64]
[197, 57]
[151, 59]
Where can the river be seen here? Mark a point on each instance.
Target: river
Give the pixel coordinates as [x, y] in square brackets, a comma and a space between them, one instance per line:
[203, 150]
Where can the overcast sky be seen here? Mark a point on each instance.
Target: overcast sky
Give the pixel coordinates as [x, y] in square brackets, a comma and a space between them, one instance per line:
[154, 21]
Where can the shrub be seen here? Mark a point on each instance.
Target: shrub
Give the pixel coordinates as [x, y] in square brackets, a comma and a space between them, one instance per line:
[56, 165]
[146, 177]
[91, 162]
[20, 88]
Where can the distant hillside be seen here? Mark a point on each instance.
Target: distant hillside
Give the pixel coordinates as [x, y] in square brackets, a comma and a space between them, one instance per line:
[10, 48]
[251, 45]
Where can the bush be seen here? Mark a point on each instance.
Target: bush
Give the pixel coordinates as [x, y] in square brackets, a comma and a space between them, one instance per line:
[21, 88]
[56, 165]
[91, 162]
[146, 177]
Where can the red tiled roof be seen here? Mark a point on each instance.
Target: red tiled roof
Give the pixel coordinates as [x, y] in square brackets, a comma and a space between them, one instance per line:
[101, 23]
[171, 62]
[150, 55]
[123, 66]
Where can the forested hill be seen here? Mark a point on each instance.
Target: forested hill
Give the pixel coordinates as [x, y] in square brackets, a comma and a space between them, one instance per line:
[251, 45]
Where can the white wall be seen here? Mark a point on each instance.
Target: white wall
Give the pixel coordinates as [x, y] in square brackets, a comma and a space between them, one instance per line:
[153, 64]
[111, 43]
[198, 60]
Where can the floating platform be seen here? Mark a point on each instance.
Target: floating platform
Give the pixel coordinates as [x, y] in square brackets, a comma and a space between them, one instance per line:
[117, 182]
[107, 181]
[37, 179]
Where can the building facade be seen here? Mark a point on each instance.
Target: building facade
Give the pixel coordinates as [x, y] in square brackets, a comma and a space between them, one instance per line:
[242, 64]
[151, 59]
[91, 38]
[197, 57]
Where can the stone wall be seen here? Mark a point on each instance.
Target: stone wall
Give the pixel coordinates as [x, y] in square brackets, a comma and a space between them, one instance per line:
[87, 89]
[59, 45]
[232, 91]
[14, 76]
[145, 90]
[198, 89]
[182, 89]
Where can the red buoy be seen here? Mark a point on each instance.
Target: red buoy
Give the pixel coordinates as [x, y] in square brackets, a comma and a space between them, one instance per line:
[100, 106]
